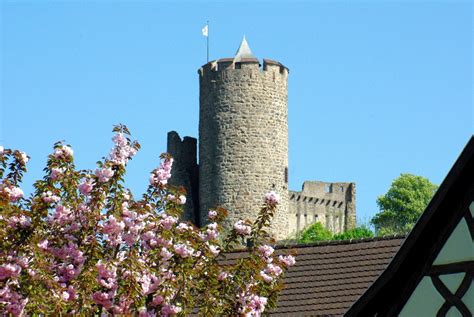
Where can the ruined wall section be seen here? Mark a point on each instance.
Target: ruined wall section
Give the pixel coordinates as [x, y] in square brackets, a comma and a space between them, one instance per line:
[185, 172]
[243, 138]
[332, 204]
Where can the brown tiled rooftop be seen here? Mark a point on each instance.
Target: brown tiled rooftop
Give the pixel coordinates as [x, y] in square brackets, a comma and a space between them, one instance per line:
[329, 277]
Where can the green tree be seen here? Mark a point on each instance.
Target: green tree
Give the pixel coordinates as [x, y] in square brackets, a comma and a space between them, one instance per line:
[356, 233]
[315, 232]
[403, 204]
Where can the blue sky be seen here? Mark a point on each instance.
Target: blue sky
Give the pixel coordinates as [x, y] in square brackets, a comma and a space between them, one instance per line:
[376, 88]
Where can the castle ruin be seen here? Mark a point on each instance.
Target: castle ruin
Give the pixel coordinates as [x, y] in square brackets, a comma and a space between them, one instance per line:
[243, 151]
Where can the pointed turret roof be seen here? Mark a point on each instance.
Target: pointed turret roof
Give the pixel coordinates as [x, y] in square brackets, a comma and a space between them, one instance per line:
[243, 51]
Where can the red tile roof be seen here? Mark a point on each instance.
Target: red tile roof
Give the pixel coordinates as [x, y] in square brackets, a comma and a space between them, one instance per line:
[329, 277]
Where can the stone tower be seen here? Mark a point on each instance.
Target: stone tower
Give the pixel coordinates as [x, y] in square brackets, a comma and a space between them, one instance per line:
[243, 152]
[243, 137]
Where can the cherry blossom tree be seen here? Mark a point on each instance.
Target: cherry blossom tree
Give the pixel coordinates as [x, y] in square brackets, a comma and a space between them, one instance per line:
[83, 244]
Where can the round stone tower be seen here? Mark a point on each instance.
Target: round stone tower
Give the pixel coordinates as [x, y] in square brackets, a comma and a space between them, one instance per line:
[243, 137]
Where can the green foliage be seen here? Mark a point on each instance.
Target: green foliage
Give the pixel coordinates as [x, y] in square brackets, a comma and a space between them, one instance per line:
[315, 232]
[403, 204]
[357, 233]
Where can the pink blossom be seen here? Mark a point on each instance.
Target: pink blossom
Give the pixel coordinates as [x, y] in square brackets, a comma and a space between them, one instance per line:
[13, 193]
[23, 221]
[65, 295]
[61, 215]
[123, 306]
[107, 277]
[212, 226]
[183, 250]
[67, 272]
[49, 197]
[71, 294]
[149, 283]
[183, 227]
[157, 300]
[253, 305]
[56, 173]
[211, 232]
[168, 221]
[104, 299]
[258, 303]
[222, 276]
[126, 195]
[114, 230]
[272, 198]
[119, 139]
[161, 175]
[242, 229]
[273, 269]
[2, 149]
[104, 174]
[86, 187]
[112, 226]
[212, 214]
[267, 278]
[23, 157]
[169, 310]
[287, 260]
[122, 152]
[148, 235]
[211, 235]
[165, 254]
[13, 301]
[214, 250]
[163, 242]
[143, 312]
[64, 151]
[181, 199]
[9, 270]
[265, 250]
[43, 245]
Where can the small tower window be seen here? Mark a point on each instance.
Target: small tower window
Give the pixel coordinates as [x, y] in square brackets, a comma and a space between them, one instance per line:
[286, 175]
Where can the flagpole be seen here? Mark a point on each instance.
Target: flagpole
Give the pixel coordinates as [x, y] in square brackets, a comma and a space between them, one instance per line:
[207, 41]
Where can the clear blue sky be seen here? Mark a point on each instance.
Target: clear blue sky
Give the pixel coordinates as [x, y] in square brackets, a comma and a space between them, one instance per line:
[375, 89]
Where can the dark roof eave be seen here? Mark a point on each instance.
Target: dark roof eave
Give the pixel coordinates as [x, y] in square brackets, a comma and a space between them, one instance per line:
[418, 250]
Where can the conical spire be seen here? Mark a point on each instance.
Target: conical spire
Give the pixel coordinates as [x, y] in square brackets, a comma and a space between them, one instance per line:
[243, 51]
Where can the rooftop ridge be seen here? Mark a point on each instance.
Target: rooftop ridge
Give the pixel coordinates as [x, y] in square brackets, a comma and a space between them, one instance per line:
[280, 246]
[339, 242]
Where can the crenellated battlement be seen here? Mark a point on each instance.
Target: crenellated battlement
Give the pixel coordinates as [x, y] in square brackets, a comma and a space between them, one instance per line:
[330, 203]
[228, 64]
[301, 198]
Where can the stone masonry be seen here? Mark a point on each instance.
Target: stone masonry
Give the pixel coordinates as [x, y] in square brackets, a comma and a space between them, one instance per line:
[332, 204]
[243, 151]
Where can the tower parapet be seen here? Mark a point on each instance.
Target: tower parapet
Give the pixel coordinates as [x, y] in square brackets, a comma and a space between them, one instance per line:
[243, 137]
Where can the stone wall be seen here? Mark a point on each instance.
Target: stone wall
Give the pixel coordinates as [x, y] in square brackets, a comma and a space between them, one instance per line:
[185, 172]
[243, 138]
[332, 204]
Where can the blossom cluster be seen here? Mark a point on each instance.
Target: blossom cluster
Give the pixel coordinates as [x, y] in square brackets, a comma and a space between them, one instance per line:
[13, 193]
[81, 245]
